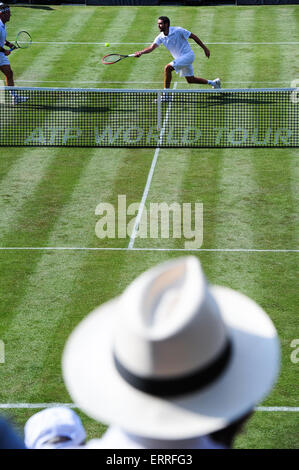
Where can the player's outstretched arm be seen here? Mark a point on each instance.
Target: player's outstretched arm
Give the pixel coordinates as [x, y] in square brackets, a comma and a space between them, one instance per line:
[147, 50]
[201, 44]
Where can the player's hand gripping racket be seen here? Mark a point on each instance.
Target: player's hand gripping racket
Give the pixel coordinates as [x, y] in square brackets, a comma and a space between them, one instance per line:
[113, 58]
[23, 40]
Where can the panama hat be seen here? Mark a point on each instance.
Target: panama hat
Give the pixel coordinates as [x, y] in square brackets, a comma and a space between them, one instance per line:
[172, 357]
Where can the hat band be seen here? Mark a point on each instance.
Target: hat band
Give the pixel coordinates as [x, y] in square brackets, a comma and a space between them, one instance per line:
[178, 385]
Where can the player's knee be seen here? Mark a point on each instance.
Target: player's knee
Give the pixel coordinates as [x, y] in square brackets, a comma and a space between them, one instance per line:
[190, 79]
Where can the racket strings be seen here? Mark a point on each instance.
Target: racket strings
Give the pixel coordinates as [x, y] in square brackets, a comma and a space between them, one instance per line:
[23, 39]
[111, 58]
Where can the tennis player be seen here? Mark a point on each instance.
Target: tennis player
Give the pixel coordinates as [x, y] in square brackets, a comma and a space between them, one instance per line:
[176, 41]
[4, 53]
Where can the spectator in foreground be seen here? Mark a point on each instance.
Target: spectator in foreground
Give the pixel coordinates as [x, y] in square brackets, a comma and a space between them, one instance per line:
[57, 427]
[172, 362]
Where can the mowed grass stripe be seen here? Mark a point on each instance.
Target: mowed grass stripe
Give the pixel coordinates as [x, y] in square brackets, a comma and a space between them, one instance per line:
[23, 166]
[288, 158]
[20, 182]
[88, 65]
[203, 179]
[293, 60]
[77, 221]
[103, 276]
[96, 279]
[294, 171]
[43, 64]
[235, 223]
[43, 61]
[286, 63]
[125, 24]
[23, 18]
[45, 288]
[36, 220]
[22, 59]
[259, 278]
[276, 206]
[234, 219]
[91, 65]
[277, 293]
[42, 305]
[276, 219]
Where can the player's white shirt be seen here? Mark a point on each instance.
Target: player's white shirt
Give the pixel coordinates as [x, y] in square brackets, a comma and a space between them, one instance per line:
[2, 34]
[176, 41]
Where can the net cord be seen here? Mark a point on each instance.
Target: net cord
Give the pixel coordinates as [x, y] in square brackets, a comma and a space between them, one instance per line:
[125, 90]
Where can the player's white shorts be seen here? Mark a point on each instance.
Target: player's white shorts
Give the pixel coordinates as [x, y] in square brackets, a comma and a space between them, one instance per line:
[3, 59]
[183, 65]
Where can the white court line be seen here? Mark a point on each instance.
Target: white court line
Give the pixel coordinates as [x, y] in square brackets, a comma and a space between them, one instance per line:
[8, 406]
[150, 176]
[83, 248]
[145, 43]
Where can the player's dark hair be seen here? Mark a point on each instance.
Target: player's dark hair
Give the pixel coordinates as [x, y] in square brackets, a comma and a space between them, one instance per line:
[165, 19]
[3, 7]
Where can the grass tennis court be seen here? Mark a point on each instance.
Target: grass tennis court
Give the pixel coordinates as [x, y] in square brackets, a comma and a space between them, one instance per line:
[49, 195]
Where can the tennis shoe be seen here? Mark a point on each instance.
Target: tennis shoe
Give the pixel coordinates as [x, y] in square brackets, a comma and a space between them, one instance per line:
[165, 98]
[217, 83]
[16, 99]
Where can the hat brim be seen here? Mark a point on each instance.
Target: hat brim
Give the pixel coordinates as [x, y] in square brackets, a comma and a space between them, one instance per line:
[97, 388]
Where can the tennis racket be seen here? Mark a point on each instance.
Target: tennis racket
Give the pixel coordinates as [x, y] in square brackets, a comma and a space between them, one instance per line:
[23, 40]
[113, 58]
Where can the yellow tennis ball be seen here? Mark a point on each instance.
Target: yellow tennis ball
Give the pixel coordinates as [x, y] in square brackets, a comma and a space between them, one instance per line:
[107, 44]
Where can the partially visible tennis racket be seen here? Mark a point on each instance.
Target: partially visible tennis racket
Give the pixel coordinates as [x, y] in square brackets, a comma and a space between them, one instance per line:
[113, 58]
[23, 40]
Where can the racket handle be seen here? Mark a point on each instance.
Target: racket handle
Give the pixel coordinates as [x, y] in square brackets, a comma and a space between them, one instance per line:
[131, 55]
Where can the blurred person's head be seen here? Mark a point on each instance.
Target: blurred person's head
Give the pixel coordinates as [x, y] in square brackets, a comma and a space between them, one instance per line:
[173, 358]
[57, 426]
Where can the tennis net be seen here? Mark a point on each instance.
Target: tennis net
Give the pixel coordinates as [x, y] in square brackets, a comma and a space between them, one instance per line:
[147, 118]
